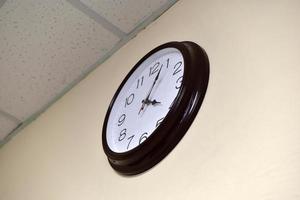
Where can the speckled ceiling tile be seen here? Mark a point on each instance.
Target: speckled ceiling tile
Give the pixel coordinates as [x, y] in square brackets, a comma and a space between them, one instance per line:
[44, 46]
[126, 14]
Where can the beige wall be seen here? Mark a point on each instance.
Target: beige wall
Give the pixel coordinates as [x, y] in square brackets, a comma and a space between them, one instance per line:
[243, 144]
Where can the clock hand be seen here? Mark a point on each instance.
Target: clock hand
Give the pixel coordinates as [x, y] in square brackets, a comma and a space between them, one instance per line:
[146, 100]
[156, 78]
[142, 108]
[144, 103]
[155, 102]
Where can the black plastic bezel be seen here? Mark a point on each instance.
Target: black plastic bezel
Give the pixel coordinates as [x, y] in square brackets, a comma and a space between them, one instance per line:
[177, 120]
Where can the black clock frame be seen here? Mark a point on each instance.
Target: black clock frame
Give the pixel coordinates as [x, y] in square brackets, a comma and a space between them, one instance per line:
[178, 119]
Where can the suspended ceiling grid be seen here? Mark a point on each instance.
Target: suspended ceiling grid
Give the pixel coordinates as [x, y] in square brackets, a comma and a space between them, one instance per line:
[46, 47]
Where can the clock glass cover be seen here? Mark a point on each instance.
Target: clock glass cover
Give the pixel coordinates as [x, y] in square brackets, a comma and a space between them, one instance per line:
[144, 100]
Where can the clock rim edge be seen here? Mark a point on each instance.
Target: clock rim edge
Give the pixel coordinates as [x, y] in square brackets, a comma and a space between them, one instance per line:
[136, 161]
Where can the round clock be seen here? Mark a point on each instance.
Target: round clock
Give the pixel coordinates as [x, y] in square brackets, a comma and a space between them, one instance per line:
[154, 106]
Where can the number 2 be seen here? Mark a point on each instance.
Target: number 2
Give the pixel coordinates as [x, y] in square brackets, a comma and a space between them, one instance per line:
[177, 68]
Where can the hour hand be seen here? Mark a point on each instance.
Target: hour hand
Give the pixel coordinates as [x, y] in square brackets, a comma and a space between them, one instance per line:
[148, 102]
[154, 102]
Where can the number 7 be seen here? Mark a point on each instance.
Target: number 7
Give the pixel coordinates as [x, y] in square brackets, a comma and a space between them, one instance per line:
[130, 139]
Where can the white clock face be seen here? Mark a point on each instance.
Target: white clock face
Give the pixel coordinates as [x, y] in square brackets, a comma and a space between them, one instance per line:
[144, 100]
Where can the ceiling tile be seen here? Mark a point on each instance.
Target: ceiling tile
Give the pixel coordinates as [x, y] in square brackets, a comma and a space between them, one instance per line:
[45, 46]
[6, 126]
[126, 14]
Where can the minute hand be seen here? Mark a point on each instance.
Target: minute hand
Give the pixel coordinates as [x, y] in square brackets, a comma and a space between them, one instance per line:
[146, 101]
[156, 78]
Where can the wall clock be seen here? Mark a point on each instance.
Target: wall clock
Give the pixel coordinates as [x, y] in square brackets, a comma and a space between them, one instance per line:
[154, 106]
